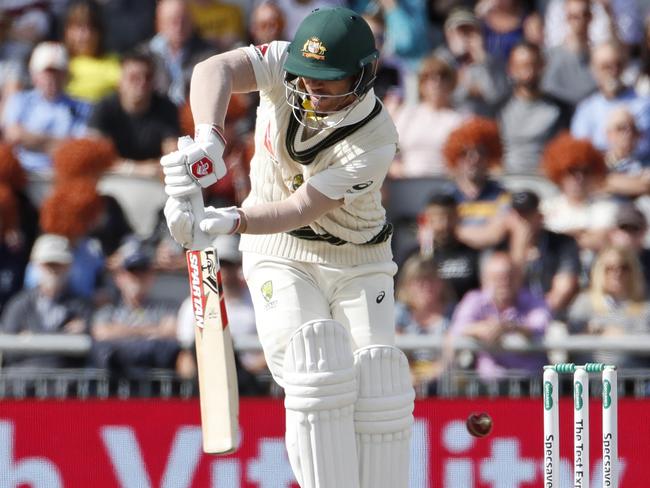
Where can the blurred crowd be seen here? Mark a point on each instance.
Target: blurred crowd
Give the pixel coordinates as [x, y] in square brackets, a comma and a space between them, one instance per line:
[525, 123]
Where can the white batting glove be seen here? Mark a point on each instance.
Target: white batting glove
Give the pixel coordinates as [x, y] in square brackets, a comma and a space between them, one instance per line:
[220, 221]
[180, 220]
[197, 163]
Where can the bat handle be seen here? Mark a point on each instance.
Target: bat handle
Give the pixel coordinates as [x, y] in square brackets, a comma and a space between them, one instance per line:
[201, 239]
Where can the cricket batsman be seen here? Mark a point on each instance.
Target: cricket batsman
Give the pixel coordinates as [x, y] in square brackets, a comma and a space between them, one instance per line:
[315, 241]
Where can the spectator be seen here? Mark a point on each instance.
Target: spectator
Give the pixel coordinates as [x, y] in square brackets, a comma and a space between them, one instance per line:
[296, 10]
[128, 23]
[615, 19]
[630, 232]
[568, 75]
[422, 307]
[36, 120]
[642, 83]
[408, 34]
[72, 210]
[614, 305]
[267, 22]
[627, 177]
[471, 151]
[239, 307]
[28, 24]
[501, 311]
[530, 118]
[94, 73]
[176, 48]
[12, 72]
[578, 169]
[88, 159]
[142, 124]
[219, 23]
[13, 250]
[457, 264]
[482, 83]
[135, 333]
[50, 307]
[590, 119]
[388, 83]
[503, 24]
[14, 176]
[420, 145]
[548, 262]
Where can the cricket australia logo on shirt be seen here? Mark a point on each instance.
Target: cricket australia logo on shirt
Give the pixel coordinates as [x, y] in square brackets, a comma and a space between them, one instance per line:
[267, 293]
[313, 48]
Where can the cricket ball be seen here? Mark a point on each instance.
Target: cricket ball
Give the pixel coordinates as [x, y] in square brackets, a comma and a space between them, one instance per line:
[479, 424]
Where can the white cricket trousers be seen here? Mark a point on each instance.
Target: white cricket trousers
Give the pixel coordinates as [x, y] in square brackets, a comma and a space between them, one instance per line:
[287, 293]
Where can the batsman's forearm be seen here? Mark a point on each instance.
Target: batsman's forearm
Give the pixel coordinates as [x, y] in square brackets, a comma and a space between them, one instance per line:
[300, 209]
[214, 80]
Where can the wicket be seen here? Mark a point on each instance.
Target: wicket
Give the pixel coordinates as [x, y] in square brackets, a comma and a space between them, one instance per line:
[580, 424]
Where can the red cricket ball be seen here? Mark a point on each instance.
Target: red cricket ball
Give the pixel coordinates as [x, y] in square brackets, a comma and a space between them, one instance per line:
[479, 424]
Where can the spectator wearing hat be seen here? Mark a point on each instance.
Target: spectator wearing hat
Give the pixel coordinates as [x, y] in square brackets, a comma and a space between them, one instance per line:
[50, 307]
[630, 233]
[36, 120]
[241, 318]
[548, 263]
[135, 332]
[482, 82]
[529, 118]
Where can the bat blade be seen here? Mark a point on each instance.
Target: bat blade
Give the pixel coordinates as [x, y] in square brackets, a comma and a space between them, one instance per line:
[219, 397]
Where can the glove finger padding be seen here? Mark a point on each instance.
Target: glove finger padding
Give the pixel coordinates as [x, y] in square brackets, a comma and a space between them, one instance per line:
[180, 181]
[180, 220]
[175, 158]
[181, 191]
[220, 220]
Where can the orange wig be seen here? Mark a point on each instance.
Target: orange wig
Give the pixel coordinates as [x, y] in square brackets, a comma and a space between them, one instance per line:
[71, 209]
[565, 153]
[11, 172]
[83, 158]
[475, 132]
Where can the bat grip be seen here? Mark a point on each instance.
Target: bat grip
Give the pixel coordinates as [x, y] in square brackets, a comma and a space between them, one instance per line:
[201, 239]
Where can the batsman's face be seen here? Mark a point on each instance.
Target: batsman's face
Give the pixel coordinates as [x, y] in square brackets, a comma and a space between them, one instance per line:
[328, 95]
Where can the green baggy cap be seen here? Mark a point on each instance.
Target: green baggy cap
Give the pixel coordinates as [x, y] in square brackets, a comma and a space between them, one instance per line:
[331, 44]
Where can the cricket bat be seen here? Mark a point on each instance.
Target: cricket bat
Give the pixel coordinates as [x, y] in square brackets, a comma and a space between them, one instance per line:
[219, 397]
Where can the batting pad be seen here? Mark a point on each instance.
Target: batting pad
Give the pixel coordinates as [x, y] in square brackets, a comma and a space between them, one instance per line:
[321, 389]
[383, 416]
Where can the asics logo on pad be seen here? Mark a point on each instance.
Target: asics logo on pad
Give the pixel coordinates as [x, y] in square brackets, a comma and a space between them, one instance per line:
[380, 297]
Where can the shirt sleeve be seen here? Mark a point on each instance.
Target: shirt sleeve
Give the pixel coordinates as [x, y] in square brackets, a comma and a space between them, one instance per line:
[12, 110]
[467, 312]
[268, 63]
[353, 178]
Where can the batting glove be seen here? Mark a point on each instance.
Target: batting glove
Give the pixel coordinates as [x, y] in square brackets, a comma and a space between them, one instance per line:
[180, 221]
[221, 221]
[197, 164]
